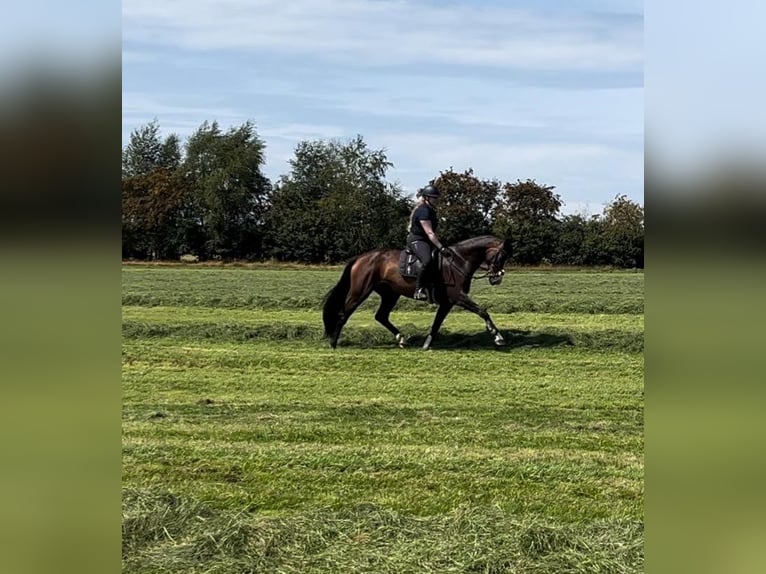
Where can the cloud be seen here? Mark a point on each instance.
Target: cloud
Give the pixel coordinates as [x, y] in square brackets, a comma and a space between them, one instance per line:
[139, 108]
[500, 159]
[512, 93]
[137, 56]
[139, 103]
[281, 138]
[296, 132]
[389, 32]
[505, 108]
[577, 170]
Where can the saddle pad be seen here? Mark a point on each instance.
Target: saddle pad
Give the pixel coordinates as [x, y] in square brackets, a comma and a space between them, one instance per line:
[409, 264]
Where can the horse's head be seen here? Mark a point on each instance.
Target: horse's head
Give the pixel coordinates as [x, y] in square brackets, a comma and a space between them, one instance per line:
[497, 253]
[485, 251]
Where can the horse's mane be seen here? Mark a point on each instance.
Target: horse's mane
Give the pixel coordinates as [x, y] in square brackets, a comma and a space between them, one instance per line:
[472, 242]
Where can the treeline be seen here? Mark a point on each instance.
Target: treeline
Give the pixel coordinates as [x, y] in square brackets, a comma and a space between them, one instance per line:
[208, 197]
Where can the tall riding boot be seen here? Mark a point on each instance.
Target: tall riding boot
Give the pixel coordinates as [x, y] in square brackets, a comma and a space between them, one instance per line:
[420, 292]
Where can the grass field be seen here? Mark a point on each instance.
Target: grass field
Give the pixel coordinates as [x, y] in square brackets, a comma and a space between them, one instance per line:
[250, 446]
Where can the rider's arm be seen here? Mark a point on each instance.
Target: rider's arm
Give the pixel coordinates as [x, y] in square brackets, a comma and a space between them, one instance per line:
[430, 233]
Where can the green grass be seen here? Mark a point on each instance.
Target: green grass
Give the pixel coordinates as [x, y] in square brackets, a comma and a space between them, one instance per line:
[242, 288]
[250, 446]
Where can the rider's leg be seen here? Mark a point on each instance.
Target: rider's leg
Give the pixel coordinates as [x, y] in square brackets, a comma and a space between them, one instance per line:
[423, 252]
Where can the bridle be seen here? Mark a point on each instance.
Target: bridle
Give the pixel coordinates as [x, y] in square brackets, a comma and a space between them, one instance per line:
[495, 270]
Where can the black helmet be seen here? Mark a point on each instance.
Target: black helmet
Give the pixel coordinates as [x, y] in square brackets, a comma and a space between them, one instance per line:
[430, 191]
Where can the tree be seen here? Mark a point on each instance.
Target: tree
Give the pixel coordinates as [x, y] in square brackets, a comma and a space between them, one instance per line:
[153, 195]
[572, 232]
[146, 151]
[466, 206]
[152, 210]
[528, 214]
[581, 241]
[223, 169]
[623, 233]
[335, 203]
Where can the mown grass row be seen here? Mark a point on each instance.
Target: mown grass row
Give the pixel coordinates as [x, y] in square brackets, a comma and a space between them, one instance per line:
[461, 330]
[250, 446]
[552, 432]
[264, 289]
[367, 538]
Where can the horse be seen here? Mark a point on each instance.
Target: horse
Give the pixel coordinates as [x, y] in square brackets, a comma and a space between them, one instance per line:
[378, 270]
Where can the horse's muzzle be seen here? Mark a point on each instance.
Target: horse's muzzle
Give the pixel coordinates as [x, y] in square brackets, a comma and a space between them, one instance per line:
[497, 277]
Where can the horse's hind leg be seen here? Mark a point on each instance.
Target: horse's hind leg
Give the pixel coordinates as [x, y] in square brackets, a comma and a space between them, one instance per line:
[388, 301]
[355, 298]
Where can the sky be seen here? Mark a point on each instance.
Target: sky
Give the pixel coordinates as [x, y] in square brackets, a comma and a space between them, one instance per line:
[543, 90]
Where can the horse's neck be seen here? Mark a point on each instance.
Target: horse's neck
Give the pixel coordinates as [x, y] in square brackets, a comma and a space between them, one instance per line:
[476, 254]
[475, 257]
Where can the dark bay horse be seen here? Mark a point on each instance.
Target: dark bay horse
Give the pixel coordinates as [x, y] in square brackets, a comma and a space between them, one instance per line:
[378, 270]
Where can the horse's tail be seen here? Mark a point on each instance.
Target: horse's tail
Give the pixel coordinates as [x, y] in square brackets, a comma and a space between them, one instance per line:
[335, 300]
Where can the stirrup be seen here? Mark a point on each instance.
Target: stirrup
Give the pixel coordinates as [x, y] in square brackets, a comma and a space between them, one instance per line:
[420, 294]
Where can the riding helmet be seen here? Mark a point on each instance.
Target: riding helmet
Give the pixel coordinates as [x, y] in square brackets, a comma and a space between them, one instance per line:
[430, 191]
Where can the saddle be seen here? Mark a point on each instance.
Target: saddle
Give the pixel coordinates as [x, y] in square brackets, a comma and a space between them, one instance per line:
[410, 265]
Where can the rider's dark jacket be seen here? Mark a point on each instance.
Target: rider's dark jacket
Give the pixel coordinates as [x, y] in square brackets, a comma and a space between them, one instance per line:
[416, 231]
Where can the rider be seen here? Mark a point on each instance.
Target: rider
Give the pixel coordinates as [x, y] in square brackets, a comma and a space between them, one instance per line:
[422, 235]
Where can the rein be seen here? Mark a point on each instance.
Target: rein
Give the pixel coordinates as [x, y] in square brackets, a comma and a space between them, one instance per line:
[453, 266]
[488, 273]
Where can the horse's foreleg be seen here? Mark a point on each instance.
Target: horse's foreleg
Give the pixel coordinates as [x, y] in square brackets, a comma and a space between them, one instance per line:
[441, 313]
[467, 303]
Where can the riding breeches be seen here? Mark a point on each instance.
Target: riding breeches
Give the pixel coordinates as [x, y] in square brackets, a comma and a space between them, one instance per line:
[422, 250]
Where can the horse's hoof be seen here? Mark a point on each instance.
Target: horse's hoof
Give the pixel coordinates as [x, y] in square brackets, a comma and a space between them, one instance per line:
[401, 340]
[499, 341]
[427, 344]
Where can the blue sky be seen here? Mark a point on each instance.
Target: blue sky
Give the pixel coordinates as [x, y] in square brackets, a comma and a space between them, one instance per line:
[552, 91]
